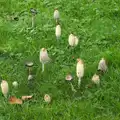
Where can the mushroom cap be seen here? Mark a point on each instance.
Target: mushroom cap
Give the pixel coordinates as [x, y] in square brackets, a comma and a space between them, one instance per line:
[69, 77]
[79, 60]
[29, 64]
[15, 83]
[33, 11]
[47, 98]
[43, 49]
[56, 8]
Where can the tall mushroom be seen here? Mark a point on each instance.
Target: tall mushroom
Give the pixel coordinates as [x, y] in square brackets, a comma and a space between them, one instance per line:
[44, 58]
[79, 71]
[4, 88]
[56, 15]
[34, 12]
[96, 79]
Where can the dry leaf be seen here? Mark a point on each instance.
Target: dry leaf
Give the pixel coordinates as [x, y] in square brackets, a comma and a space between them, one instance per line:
[14, 100]
[26, 97]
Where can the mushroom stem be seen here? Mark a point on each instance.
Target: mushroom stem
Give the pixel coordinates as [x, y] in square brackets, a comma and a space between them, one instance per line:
[57, 20]
[29, 70]
[33, 21]
[72, 87]
[79, 82]
[43, 66]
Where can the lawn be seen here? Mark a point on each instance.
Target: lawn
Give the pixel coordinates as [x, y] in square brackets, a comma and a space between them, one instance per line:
[97, 25]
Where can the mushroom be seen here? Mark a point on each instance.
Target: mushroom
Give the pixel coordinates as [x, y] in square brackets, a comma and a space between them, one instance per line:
[102, 66]
[29, 65]
[58, 31]
[56, 15]
[4, 88]
[47, 98]
[69, 78]
[15, 84]
[73, 40]
[96, 79]
[44, 58]
[79, 71]
[34, 12]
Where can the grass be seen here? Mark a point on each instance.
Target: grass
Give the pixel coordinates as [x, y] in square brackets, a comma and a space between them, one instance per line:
[96, 23]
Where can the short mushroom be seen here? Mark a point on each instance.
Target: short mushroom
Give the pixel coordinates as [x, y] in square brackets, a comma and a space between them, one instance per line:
[69, 78]
[15, 84]
[47, 98]
[96, 79]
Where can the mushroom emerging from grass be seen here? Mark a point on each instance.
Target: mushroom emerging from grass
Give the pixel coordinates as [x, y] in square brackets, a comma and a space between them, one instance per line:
[96, 79]
[44, 58]
[58, 31]
[4, 88]
[69, 78]
[73, 40]
[34, 12]
[56, 15]
[79, 71]
[29, 65]
[47, 98]
[102, 66]
[15, 84]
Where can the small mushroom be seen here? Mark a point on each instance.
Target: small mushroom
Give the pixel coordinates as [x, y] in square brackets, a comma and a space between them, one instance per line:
[96, 79]
[102, 66]
[34, 12]
[69, 78]
[15, 84]
[47, 98]
[29, 65]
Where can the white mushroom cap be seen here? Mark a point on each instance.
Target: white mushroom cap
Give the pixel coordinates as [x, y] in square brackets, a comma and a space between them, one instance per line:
[29, 64]
[15, 84]
[69, 77]
[47, 98]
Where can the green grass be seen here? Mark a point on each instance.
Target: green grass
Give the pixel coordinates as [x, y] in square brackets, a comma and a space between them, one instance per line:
[96, 23]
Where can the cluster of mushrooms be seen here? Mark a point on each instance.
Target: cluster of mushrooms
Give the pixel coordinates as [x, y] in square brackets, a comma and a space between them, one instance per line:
[44, 58]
